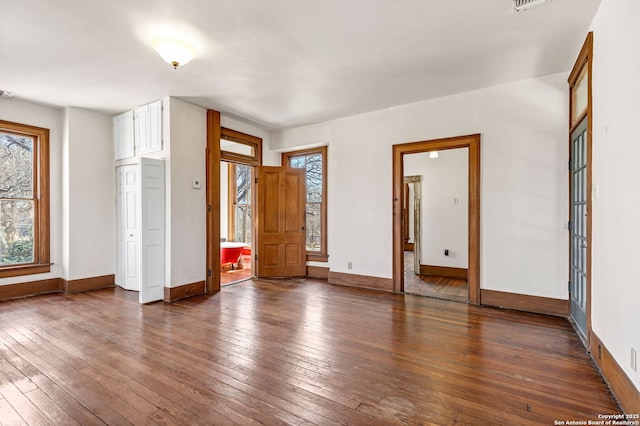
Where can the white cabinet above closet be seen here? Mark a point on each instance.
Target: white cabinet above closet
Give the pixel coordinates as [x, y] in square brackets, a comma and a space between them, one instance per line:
[148, 127]
[138, 131]
[123, 135]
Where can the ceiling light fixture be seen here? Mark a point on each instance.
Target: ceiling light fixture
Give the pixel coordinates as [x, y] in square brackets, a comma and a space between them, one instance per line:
[174, 50]
[433, 154]
[522, 5]
[5, 94]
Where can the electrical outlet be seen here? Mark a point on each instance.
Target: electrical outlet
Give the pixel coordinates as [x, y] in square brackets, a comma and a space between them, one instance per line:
[634, 360]
[349, 265]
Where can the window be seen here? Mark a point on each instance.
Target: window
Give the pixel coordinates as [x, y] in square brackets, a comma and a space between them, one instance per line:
[315, 163]
[237, 147]
[24, 199]
[240, 224]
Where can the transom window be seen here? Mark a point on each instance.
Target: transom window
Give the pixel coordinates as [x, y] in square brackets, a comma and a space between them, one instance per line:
[314, 161]
[240, 188]
[24, 199]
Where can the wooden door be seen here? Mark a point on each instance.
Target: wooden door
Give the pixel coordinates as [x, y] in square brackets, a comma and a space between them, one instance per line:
[579, 296]
[281, 239]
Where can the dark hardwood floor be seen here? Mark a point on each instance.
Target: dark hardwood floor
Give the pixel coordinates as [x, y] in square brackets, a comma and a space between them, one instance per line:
[297, 352]
[455, 289]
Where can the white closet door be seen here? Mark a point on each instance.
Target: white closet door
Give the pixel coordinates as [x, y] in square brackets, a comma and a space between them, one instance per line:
[131, 226]
[152, 193]
[119, 227]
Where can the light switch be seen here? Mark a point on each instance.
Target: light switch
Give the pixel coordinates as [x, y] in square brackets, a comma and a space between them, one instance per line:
[195, 184]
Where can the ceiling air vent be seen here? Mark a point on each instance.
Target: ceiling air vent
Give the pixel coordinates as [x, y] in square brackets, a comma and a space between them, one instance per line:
[521, 5]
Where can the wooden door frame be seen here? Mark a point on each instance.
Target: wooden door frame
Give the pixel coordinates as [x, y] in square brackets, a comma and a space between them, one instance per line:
[416, 181]
[584, 59]
[472, 142]
[214, 155]
[214, 133]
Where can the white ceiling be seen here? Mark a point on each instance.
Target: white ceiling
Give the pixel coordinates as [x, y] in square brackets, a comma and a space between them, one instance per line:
[281, 63]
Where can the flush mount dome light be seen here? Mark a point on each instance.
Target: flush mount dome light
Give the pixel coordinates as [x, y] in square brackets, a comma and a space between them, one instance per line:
[174, 50]
[522, 5]
[5, 94]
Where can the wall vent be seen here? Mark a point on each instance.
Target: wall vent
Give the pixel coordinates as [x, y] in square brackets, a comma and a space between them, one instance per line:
[522, 5]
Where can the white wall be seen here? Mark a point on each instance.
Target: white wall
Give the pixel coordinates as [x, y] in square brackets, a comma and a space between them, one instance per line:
[50, 118]
[444, 224]
[616, 206]
[524, 210]
[88, 208]
[188, 141]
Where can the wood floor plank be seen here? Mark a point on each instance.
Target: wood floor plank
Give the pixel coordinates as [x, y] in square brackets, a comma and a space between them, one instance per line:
[9, 416]
[21, 404]
[50, 408]
[293, 351]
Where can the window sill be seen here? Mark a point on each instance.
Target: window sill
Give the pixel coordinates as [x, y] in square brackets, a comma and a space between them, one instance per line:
[16, 271]
[317, 257]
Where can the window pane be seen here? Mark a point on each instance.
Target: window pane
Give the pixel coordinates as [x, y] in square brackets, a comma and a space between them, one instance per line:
[243, 184]
[314, 178]
[580, 95]
[237, 148]
[314, 226]
[16, 166]
[297, 162]
[243, 224]
[16, 232]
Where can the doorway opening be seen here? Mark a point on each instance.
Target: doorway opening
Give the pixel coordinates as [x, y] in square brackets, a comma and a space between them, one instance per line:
[402, 196]
[236, 221]
[226, 146]
[435, 224]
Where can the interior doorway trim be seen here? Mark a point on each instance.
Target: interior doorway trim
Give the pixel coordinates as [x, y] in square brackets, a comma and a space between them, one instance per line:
[417, 218]
[214, 133]
[472, 142]
[214, 155]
